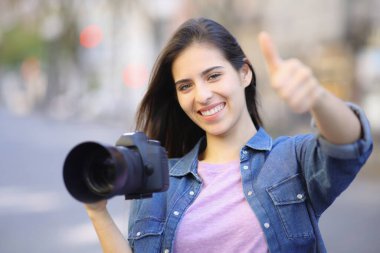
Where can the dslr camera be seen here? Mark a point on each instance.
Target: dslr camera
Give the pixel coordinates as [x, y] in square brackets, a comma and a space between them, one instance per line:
[135, 167]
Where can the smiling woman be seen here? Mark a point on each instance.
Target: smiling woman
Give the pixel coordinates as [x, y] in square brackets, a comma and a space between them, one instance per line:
[211, 93]
[160, 115]
[232, 187]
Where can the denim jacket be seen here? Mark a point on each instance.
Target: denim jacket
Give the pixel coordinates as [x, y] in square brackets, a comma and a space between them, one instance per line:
[288, 182]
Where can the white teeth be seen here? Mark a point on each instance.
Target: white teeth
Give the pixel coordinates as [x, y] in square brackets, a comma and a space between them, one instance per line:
[213, 110]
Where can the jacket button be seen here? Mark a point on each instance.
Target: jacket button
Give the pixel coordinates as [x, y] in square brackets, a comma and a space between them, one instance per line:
[299, 196]
[266, 225]
[138, 233]
[176, 213]
[191, 193]
[245, 167]
[166, 251]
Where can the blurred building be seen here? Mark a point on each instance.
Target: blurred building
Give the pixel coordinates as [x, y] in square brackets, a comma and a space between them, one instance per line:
[92, 58]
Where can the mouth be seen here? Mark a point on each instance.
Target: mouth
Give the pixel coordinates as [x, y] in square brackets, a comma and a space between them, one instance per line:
[212, 110]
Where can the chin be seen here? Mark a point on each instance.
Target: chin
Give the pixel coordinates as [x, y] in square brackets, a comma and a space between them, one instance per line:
[216, 131]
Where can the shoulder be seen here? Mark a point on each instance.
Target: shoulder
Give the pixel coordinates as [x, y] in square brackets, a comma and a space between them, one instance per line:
[294, 140]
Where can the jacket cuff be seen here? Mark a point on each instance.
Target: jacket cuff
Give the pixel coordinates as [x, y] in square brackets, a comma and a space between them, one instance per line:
[352, 150]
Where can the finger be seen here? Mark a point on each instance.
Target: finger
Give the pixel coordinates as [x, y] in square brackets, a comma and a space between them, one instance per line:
[269, 50]
[299, 79]
[304, 96]
[286, 74]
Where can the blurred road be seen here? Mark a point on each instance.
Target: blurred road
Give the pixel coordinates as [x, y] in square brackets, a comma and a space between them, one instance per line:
[36, 212]
[38, 215]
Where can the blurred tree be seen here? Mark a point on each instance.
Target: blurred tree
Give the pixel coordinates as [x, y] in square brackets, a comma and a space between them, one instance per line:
[18, 44]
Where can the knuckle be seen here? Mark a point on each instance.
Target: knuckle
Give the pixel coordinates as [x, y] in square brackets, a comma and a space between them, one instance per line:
[295, 62]
[285, 94]
[307, 72]
[276, 83]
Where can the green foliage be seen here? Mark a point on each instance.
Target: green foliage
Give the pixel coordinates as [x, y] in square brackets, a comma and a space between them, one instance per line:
[18, 44]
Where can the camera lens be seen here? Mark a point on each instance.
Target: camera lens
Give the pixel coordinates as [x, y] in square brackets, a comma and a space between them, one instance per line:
[100, 176]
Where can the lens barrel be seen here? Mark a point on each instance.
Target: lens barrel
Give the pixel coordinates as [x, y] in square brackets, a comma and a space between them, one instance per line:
[100, 177]
[93, 171]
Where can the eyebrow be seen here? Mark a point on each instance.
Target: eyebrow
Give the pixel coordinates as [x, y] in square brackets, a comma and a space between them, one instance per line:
[205, 72]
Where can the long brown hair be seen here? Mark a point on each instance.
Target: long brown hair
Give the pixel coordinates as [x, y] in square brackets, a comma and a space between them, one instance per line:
[160, 115]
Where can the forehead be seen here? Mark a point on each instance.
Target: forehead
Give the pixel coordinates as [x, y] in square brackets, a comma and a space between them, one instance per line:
[196, 58]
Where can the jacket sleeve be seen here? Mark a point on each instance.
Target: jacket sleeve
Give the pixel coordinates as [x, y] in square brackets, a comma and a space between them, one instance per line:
[328, 168]
[135, 206]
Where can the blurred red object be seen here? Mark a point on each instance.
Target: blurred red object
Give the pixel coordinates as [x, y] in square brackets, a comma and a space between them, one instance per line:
[91, 36]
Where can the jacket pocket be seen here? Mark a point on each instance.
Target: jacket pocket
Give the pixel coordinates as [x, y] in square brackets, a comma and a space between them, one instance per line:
[146, 235]
[289, 198]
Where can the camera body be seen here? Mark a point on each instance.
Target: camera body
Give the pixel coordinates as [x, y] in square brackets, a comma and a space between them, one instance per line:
[135, 167]
[154, 164]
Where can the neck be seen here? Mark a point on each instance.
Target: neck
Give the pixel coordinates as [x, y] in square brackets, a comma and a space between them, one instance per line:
[226, 148]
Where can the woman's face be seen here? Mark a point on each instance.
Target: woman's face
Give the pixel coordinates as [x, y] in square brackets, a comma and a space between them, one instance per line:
[210, 90]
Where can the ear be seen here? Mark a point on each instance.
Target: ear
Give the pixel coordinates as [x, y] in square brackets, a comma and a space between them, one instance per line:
[245, 74]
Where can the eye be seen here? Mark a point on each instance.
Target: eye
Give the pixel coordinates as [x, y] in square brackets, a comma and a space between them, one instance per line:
[184, 86]
[214, 76]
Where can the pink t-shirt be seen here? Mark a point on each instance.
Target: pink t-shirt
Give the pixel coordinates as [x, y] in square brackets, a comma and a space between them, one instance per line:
[220, 219]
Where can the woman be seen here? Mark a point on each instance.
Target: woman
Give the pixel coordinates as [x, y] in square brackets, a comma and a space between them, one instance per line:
[233, 188]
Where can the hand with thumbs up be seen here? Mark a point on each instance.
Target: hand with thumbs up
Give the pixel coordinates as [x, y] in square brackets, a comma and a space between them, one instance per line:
[297, 86]
[291, 79]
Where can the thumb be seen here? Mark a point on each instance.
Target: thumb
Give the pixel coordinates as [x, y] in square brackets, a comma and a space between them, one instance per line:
[269, 50]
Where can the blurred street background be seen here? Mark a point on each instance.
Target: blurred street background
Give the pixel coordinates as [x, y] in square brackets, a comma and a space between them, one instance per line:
[72, 71]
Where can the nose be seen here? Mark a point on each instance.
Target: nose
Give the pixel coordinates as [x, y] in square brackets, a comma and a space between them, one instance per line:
[203, 93]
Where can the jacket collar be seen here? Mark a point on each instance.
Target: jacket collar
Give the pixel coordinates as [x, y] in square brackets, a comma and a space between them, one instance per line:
[260, 141]
[188, 164]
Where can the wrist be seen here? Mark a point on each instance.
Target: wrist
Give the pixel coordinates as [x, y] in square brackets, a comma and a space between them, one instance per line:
[94, 212]
[319, 97]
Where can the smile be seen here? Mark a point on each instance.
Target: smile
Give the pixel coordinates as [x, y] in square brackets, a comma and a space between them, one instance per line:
[213, 110]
